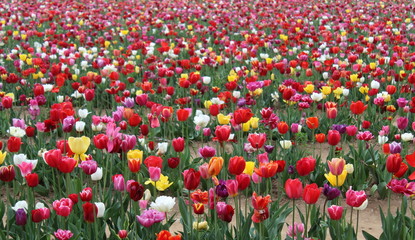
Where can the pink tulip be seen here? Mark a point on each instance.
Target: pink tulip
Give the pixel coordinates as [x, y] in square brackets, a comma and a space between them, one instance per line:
[154, 173]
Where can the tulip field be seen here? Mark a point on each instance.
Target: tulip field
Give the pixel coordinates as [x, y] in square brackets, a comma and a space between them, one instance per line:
[213, 119]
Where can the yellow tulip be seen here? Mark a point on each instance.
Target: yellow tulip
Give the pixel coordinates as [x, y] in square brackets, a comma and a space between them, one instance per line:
[207, 104]
[223, 120]
[79, 146]
[135, 154]
[336, 182]
[246, 126]
[254, 122]
[2, 157]
[249, 168]
[162, 184]
[309, 88]
[326, 90]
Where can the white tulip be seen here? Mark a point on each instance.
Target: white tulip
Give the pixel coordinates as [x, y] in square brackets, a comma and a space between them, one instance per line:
[83, 113]
[16, 132]
[97, 175]
[406, 137]
[80, 126]
[101, 209]
[163, 204]
[19, 205]
[286, 144]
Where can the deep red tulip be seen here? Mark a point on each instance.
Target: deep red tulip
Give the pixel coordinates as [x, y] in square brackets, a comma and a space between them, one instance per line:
[293, 188]
[357, 107]
[333, 137]
[67, 164]
[173, 162]
[89, 94]
[13, 144]
[73, 197]
[178, 144]
[366, 124]
[244, 180]
[311, 193]
[393, 163]
[134, 120]
[236, 165]
[30, 131]
[191, 179]
[214, 109]
[242, 115]
[90, 211]
[144, 129]
[32, 179]
[7, 173]
[257, 140]
[135, 190]
[305, 165]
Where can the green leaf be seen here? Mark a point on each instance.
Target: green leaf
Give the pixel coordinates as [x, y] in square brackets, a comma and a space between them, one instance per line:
[368, 236]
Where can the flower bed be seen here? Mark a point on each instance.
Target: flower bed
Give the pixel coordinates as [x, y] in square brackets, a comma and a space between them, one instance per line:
[232, 119]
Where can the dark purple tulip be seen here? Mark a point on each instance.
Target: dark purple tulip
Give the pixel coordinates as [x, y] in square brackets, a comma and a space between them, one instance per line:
[21, 217]
[341, 128]
[291, 169]
[269, 148]
[330, 192]
[221, 189]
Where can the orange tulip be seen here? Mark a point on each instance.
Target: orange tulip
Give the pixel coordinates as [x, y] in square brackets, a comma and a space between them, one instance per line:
[320, 137]
[267, 170]
[215, 165]
[312, 122]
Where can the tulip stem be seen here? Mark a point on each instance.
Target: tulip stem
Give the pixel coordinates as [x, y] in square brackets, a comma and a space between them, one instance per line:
[190, 216]
[307, 215]
[293, 214]
[351, 215]
[238, 220]
[357, 222]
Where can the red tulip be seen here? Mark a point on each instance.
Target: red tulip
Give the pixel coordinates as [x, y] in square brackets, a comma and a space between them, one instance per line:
[282, 127]
[225, 211]
[402, 170]
[153, 161]
[30, 131]
[178, 144]
[67, 164]
[173, 162]
[293, 188]
[13, 144]
[40, 214]
[122, 234]
[134, 120]
[242, 115]
[182, 115]
[333, 137]
[366, 124]
[305, 165]
[144, 129]
[7, 102]
[357, 107]
[236, 165]
[243, 181]
[222, 133]
[311, 193]
[7, 173]
[320, 137]
[199, 208]
[86, 194]
[335, 212]
[191, 179]
[134, 165]
[89, 94]
[32, 179]
[90, 211]
[393, 163]
[53, 157]
[257, 140]
[214, 109]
